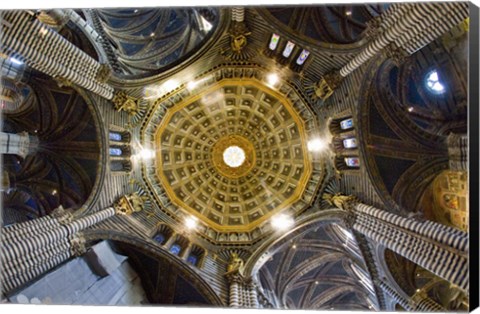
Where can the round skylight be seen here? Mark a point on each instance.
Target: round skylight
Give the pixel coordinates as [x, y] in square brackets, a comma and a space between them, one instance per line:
[234, 156]
[433, 82]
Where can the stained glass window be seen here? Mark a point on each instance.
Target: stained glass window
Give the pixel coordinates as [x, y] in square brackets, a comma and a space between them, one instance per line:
[288, 49]
[346, 124]
[115, 151]
[175, 249]
[352, 162]
[192, 259]
[159, 237]
[303, 56]
[350, 143]
[115, 136]
[274, 42]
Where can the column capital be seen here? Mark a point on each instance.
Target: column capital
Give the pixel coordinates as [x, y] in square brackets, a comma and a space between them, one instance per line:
[104, 72]
[62, 215]
[63, 82]
[77, 245]
[397, 54]
[373, 28]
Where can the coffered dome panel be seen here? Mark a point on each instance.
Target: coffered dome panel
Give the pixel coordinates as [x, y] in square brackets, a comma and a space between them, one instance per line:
[270, 128]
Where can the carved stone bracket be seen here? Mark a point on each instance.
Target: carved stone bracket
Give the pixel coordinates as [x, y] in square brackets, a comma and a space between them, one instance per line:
[397, 54]
[235, 278]
[77, 245]
[324, 89]
[61, 215]
[129, 204]
[103, 73]
[349, 219]
[63, 82]
[124, 102]
[373, 28]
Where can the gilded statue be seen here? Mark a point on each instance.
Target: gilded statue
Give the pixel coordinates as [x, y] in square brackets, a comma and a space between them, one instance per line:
[339, 200]
[238, 36]
[124, 102]
[236, 264]
[324, 89]
[129, 204]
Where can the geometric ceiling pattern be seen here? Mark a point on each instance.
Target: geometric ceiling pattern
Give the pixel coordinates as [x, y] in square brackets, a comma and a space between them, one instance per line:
[233, 113]
[190, 130]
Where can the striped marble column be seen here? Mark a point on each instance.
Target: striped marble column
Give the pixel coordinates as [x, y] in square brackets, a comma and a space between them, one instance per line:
[234, 295]
[31, 248]
[444, 22]
[457, 151]
[395, 295]
[406, 27]
[428, 305]
[238, 14]
[28, 40]
[428, 245]
[253, 295]
[420, 302]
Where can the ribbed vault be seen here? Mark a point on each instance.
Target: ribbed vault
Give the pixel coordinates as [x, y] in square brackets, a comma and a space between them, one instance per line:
[318, 269]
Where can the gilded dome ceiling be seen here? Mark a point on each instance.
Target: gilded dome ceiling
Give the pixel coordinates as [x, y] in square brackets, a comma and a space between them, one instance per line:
[232, 115]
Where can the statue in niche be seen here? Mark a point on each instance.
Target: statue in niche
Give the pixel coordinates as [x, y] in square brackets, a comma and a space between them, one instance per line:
[243, 237]
[233, 237]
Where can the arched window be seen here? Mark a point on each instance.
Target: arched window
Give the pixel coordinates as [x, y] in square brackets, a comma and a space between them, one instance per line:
[287, 51]
[119, 150]
[350, 142]
[346, 124]
[192, 259]
[159, 237]
[115, 136]
[274, 41]
[175, 249]
[352, 162]
[302, 57]
[433, 83]
[115, 151]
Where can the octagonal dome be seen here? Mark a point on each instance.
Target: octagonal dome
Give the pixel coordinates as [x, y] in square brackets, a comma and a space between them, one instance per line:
[192, 128]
